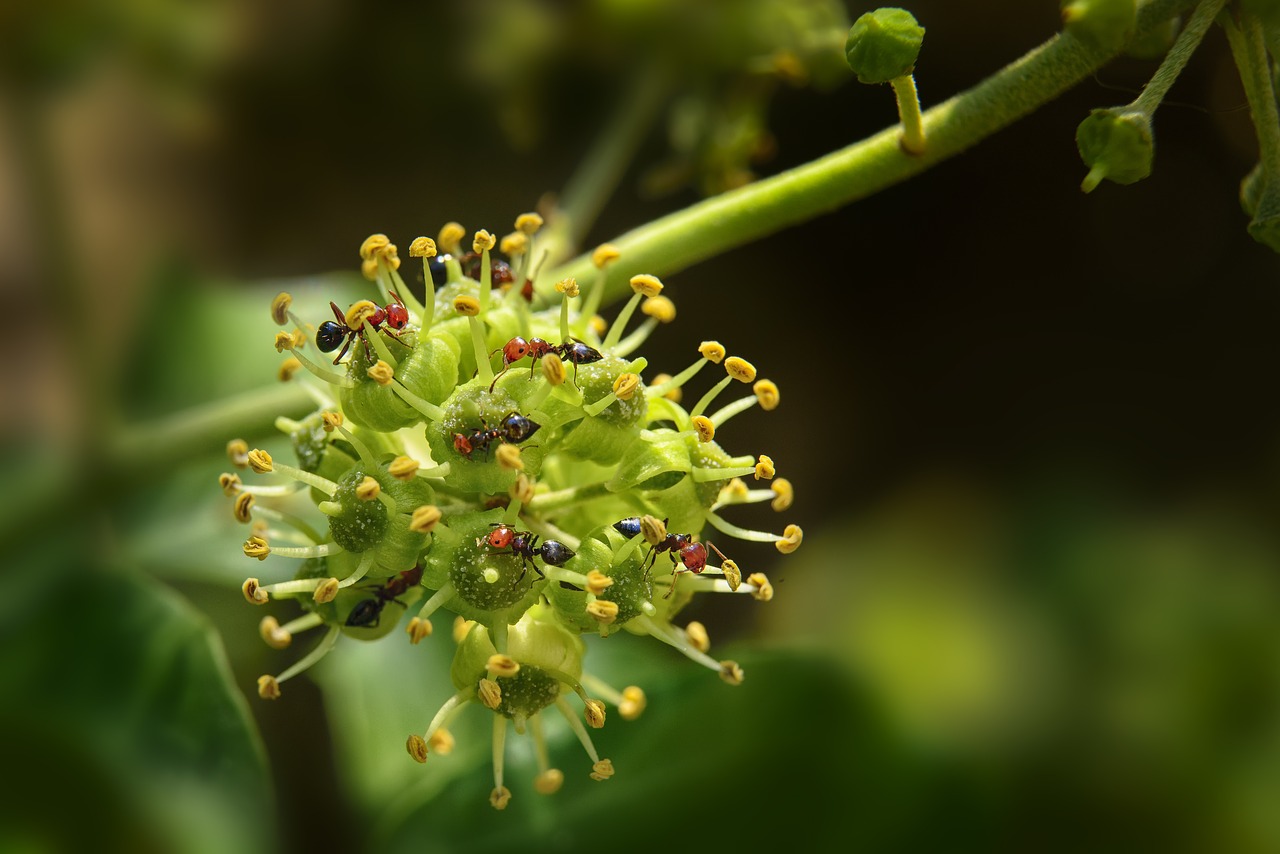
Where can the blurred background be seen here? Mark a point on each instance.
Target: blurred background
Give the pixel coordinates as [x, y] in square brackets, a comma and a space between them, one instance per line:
[1033, 433]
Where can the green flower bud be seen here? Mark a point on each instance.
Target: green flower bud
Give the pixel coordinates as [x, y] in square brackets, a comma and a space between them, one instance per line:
[369, 404]
[470, 409]
[430, 371]
[357, 524]
[1115, 144]
[606, 552]
[1106, 24]
[489, 584]
[883, 45]
[604, 438]
[547, 654]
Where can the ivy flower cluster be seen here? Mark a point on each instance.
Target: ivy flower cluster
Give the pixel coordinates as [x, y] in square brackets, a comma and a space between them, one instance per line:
[505, 458]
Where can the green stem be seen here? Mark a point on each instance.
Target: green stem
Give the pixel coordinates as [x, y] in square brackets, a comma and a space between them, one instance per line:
[1248, 48]
[1176, 59]
[737, 217]
[904, 88]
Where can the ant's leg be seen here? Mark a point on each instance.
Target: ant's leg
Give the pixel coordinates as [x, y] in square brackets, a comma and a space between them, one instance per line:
[345, 345]
[672, 589]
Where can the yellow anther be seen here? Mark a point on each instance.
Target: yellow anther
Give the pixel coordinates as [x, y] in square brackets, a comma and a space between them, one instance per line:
[764, 468]
[368, 489]
[403, 468]
[704, 427]
[422, 247]
[645, 284]
[424, 519]
[792, 536]
[256, 547]
[653, 529]
[698, 637]
[604, 255]
[660, 308]
[489, 693]
[766, 394]
[417, 748]
[242, 507]
[499, 798]
[331, 420]
[602, 770]
[734, 491]
[283, 341]
[483, 240]
[712, 351]
[461, 628]
[450, 236]
[553, 369]
[732, 575]
[764, 590]
[272, 634]
[633, 703]
[230, 483]
[594, 713]
[598, 582]
[603, 611]
[441, 741]
[508, 456]
[499, 666]
[522, 489]
[254, 593]
[259, 527]
[528, 223]
[731, 672]
[740, 369]
[327, 591]
[372, 243]
[360, 311]
[513, 244]
[381, 373]
[549, 781]
[288, 369]
[418, 629]
[369, 269]
[299, 338]
[268, 688]
[280, 308]
[624, 387]
[390, 255]
[675, 394]
[598, 325]
[466, 305]
[568, 287]
[783, 494]
[238, 453]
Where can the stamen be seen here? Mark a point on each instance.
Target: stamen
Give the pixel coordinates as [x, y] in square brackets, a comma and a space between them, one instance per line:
[598, 582]
[403, 468]
[730, 672]
[450, 237]
[321, 373]
[704, 427]
[578, 729]
[740, 369]
[429, 410]
[665, 387]
[280, 308]
[381, 373]
[441, 742]
[720, 524]
[461, 625]
[483, 242]
[659, 310]
[499, 666]
[288, 369]
[269, 687]
[508, 457]
[238, 453]
[566, 497]
[602, 770]
[594, 714]
[362, 569]
[712, 351]
[642, 286]
[514, 245]
[253, 592]
[604, 255]
[262, 463]
[785, 494]
[425, 519]
[672, 637]
[230, 483]
[697, 634]
[548, 782]
[425, 248]
[417, 747]
[437, 600]
[489, 693]
[418, 629]
[792, 536]
[764, 468]
[368, 489]
[763, 591]
[443, 715]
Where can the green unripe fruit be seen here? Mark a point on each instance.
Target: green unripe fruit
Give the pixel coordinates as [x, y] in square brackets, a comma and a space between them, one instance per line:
[368, 404]
[359, 525]
[612, 554]
[606, 437]
[489, 584]
[337, 611]
[883, 45]
[472, 408]
[1115, 144]
[548, 654]
[1106, 24]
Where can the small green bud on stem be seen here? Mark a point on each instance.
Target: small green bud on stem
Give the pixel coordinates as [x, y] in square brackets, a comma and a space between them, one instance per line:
[882, 47]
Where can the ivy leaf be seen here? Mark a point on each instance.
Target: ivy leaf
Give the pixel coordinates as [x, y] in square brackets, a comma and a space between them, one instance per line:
[123, 729]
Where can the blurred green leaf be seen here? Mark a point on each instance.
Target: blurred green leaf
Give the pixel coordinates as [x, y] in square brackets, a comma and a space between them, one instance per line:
[124, 731]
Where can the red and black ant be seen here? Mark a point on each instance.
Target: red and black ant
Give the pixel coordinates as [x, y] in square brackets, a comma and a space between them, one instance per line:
[517, 348]
[334, 332]
[525, 544]
[514, 428]
[499, 271]
[368, 612]
[681, 548]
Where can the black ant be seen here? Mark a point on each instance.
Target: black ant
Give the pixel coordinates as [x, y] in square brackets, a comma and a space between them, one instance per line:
[514, 428]
[572, 350]
[368, 612]
[525, 544]
[681, 548]
[334, 332]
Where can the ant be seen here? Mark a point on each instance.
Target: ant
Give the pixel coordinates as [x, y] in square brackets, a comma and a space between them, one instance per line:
[499, 271]
[525, 544]
[517, 348]
[368, 612]
[681, 548]
[515, 428]
[334, 332]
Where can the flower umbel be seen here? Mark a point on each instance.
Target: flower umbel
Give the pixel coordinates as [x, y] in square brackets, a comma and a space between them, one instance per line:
[536, 506]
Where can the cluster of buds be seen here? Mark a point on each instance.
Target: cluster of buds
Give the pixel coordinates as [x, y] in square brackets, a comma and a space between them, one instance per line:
[535, 506]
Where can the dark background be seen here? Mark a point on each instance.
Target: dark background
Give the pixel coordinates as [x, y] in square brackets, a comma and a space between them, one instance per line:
[1033, 432]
